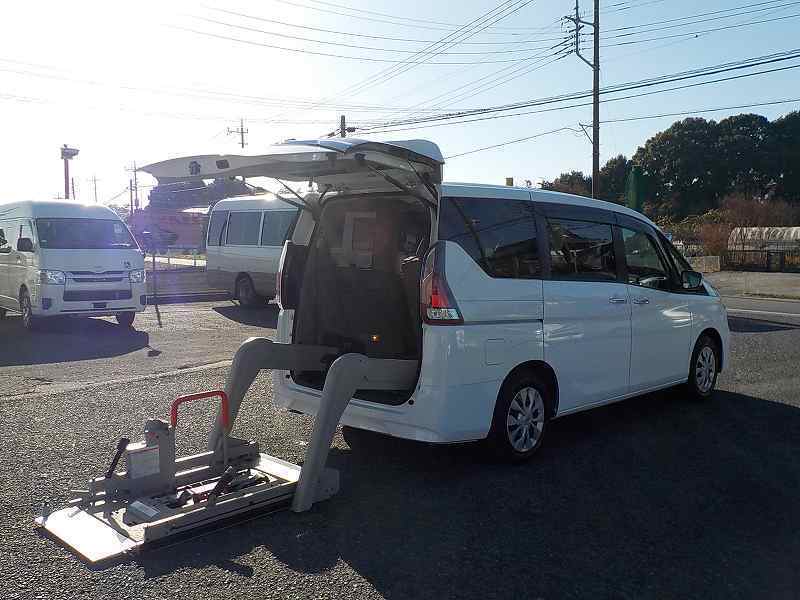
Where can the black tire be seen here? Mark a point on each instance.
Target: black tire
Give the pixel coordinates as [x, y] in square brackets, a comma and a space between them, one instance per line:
[518, 401]
[125, 319]
[29, 321]
[2, 313]
[246, 293]
[704, 368]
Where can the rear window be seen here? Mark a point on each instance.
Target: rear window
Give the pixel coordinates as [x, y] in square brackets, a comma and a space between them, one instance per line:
[243, 228]
[216, 227]
[581, 250]
[79, 234]
[277, 225]
[499, 235]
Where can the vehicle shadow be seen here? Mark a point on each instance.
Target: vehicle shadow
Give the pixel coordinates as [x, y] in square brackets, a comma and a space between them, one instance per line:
[652, 497]
[66, 340]
[743, 325]
[266, 316]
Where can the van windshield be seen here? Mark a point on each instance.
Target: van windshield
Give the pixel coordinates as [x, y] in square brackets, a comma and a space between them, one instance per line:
[75, 234]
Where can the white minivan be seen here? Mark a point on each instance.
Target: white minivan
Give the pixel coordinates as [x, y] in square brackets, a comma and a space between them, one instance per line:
[518, 305]
[68, 259]
[244, 243]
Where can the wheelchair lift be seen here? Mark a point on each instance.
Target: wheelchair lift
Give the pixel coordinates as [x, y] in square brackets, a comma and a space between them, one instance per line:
[159, 496]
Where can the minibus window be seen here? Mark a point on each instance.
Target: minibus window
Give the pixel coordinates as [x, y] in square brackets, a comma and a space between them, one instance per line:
[581, 250]
[216, 227]
[243, 228]
[499, 235]
[277, 225]
[75, 234]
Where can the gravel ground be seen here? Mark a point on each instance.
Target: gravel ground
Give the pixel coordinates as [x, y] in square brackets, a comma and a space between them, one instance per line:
[652, 497]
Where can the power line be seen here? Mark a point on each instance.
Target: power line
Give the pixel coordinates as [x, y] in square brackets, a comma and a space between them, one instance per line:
[639, 118]
[339, 33]
[630, 6]
[662, 79]
[362, 47]
[386, 129]
[699, 32]
[357, 15]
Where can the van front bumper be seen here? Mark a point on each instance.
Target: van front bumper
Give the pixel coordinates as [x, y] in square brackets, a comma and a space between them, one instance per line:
[54, 300]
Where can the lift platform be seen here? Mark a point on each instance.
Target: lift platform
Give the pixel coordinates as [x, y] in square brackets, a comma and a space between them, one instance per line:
[159, 496]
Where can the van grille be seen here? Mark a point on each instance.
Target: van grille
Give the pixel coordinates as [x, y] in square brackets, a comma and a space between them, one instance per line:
[90, 295]
[102, 277]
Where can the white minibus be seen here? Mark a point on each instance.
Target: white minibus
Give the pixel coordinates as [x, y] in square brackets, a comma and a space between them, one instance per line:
[68, 259]
[244, 243]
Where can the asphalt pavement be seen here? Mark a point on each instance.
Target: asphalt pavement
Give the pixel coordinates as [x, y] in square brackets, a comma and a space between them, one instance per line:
[656, 496]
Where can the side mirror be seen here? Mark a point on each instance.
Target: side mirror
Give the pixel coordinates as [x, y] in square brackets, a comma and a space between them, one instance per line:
[24, 245]
[691, 280]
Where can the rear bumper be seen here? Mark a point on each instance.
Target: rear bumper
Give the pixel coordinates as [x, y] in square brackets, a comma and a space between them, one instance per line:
[49, 301]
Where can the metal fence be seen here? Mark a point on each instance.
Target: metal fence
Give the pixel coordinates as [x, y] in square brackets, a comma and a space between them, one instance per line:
[784, 260]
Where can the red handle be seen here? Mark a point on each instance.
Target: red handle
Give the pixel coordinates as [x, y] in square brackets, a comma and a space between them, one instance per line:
[173, 415]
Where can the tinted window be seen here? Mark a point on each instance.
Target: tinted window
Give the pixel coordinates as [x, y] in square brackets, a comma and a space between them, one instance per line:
[216, 227]
[243, 228]
[499, 235]
[581, 250]
[73, 234]
[645, 265]
[277, 224]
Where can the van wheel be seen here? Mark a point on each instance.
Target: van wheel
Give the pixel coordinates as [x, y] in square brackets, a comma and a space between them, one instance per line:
[246, 292]
[703, 369]
[29, 321]
[520, 418]
[125, 319]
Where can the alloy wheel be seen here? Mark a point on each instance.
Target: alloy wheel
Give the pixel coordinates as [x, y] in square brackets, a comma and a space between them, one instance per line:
[705, 369]
[525, 419]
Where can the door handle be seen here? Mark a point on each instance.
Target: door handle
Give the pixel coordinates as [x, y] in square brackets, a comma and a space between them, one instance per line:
[641, 300]
[615, 300]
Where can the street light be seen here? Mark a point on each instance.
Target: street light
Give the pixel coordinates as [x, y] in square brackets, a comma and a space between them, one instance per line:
[67, 154]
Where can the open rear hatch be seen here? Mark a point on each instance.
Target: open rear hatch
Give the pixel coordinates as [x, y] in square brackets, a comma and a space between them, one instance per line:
[342, 165]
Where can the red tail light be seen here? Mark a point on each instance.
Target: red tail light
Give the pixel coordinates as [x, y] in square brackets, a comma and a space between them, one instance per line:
[437, 304]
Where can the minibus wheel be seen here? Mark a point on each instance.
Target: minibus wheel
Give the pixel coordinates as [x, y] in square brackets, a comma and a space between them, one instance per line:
[246, 292]
[520, 417]
[704, 368]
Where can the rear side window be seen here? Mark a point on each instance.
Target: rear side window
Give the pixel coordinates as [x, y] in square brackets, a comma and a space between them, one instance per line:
[277, 225]
[4, 247]
[216, 227]
[244, 228]
[581, 250]
[499, 235]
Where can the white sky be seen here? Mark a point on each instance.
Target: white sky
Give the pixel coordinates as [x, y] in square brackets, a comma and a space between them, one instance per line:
[122, 82]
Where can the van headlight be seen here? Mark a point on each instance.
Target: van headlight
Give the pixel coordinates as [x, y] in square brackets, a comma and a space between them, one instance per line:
[136, 276]
[52, 277]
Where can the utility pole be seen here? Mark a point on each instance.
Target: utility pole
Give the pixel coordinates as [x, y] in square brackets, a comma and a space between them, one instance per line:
[134, 185]
[72, 182]
[595, 65]
[342, 127]
[241, 131]
[130, 189]
[94, 183]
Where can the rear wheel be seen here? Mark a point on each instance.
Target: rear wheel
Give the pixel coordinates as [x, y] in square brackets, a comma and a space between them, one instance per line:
[704, 368]
[2, 313]
[520, 418]
[29, 321]
[125, 319]
[246, 292]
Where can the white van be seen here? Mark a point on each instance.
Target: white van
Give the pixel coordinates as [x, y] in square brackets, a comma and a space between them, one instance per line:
[68, 259]
[519, 305]
[244, 244]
